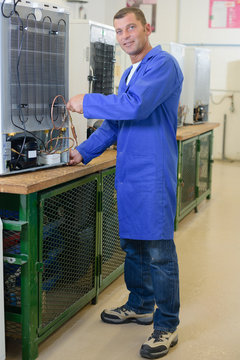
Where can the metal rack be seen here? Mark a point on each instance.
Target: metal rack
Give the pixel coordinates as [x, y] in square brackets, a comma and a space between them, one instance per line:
[61, 248]
[50, 273]
[194, 173]
[112, 256]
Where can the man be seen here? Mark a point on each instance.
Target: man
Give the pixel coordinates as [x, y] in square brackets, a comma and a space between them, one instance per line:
[142, 118]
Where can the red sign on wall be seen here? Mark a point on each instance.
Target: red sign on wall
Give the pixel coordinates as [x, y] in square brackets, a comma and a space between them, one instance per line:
[224, 14]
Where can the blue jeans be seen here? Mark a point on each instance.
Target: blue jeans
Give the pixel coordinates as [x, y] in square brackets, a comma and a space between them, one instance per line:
[152, 277]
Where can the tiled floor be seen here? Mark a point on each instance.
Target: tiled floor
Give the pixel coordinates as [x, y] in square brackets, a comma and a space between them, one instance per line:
[208, 245]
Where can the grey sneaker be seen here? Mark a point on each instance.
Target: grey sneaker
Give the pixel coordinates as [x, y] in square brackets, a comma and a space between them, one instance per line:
[122, 315]
[158, 344]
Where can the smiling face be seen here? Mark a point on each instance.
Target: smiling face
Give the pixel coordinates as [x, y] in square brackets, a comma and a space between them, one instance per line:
[132, 36]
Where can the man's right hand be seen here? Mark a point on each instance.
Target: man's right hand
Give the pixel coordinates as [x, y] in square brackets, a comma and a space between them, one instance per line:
[75, 157]
[75, 104]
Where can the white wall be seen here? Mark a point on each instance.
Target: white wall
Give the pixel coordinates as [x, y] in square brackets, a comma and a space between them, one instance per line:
[112, 6]
[225, 71]
[95, 9]
[167, 21]
[217, 112]
[225, 82]
[193, 25]
[186, 21]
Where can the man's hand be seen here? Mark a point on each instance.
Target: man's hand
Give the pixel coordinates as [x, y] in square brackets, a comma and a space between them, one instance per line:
[75, 157]
[75, 104]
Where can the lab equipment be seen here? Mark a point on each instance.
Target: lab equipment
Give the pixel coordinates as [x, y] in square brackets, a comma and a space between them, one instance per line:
[33, 71]
[91, 65]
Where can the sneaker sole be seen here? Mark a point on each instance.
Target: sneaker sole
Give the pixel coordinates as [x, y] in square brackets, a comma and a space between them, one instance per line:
[146, 354]
[146, 321]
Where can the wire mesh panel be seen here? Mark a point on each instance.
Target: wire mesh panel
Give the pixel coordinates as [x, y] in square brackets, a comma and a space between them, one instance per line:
[13, 329]
[9, 206]
[12, 280]
[68, 235]
[12, 285]
[12, 272]
[11, 241]
[204, 168]
[112, 254]
[188, 190]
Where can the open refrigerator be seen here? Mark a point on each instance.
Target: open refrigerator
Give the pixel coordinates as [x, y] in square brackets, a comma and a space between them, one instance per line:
[34, 124]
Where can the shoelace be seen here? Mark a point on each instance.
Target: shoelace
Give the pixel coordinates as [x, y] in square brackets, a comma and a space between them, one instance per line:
[121, 309]
[159, 335]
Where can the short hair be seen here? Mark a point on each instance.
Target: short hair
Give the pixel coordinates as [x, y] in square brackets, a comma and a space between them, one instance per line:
[131, 10]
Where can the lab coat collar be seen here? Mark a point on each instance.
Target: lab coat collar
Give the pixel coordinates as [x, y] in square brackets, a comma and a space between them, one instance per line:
[154, 51]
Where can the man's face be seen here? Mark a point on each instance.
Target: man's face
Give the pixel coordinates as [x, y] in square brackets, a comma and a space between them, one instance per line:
[131, 34]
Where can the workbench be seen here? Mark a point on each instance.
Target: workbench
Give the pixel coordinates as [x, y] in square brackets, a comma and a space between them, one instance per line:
[61, 242]
[195, 144]
[61, 245]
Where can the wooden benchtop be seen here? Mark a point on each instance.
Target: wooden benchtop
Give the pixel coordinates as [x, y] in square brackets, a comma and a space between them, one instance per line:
[189, 131]
[29, 182]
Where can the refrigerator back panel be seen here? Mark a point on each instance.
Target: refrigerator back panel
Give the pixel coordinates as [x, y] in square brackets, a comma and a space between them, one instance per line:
[34, 69]
[102, 66]
[92, 60]
[102, 59]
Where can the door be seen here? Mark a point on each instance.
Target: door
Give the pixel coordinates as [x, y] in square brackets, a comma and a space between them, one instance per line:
[67, 250]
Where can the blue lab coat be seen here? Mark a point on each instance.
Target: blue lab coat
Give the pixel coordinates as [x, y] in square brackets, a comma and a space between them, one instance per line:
[142, 118]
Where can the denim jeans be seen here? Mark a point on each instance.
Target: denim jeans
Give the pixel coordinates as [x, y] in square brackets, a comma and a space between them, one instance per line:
[152, 278]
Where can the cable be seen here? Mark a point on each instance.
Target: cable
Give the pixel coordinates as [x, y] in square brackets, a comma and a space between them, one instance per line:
[45, 53]
[69, 115]
[53, 151]
[219, 102]
[232, 107]
[56, 139]
[12, 11]
[20, 114]
[61, 26]
[15, 151]
[34, 70]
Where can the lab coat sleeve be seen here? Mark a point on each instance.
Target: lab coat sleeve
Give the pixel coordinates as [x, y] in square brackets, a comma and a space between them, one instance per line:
[159, 80]
[99, 141]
